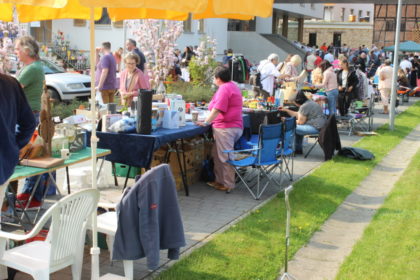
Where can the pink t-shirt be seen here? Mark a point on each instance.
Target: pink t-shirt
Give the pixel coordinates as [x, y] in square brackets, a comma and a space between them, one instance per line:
[228, 100]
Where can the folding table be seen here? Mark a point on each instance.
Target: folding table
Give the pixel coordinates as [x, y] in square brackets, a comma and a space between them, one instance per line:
[22, 172]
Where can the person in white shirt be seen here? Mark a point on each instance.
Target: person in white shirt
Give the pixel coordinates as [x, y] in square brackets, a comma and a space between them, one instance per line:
[406, 64]
[310, 65]
[329, 56]
[385, 83]
[269, 72]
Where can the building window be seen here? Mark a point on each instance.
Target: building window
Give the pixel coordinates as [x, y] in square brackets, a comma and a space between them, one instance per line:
[368, 13]
[187, 24]
[241, 25]
[402, 27]
[201, 26]
[389, 25]
[104, 20]
[343, 13]
[79, 22]
[328, 13]
[360, 14]
[352, 11]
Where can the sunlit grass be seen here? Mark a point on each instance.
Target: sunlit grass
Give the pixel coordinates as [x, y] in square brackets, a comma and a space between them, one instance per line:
[254, 249]
[390, 246]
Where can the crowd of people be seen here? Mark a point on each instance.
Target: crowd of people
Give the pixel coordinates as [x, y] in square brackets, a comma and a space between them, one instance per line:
[344, 75]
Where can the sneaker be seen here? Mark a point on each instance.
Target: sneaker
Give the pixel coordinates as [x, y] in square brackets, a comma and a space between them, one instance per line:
[34, 205]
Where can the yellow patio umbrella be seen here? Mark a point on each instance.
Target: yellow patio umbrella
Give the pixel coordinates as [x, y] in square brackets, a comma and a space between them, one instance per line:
[73, 10]
[116, 14]
[6, 12]
[243, 9]
[43, 3]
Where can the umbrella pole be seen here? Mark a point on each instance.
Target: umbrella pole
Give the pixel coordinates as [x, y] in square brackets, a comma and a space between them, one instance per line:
[94, 251]
[395, 68]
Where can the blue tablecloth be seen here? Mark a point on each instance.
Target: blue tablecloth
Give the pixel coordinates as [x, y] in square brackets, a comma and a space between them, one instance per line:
[137, 149]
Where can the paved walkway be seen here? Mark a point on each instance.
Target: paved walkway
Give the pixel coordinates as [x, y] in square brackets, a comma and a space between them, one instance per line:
[205, 212]
[322, 257]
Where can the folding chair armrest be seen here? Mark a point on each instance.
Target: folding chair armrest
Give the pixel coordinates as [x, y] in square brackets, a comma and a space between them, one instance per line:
[241, 151]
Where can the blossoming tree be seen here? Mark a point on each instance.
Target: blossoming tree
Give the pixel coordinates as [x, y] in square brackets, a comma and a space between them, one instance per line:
[203, 63]
[157, 41]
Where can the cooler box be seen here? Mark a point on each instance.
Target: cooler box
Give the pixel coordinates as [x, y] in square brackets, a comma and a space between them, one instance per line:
[121, 170]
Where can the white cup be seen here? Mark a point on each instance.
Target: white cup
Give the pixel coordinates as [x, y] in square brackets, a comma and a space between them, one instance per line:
[65, 153]
[194, 116]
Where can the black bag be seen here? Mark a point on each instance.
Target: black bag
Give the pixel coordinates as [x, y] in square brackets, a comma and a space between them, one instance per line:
[207, 173]
[356, 153]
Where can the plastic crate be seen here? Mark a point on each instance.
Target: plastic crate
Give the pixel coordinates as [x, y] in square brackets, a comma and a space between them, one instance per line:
[121, 170]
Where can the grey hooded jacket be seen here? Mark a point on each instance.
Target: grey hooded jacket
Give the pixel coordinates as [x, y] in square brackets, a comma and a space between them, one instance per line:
[149, 219]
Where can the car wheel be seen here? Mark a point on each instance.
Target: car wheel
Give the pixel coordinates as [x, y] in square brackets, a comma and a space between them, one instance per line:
[54, 95]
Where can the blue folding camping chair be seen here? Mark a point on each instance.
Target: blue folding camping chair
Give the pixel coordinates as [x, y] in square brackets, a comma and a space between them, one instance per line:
[286, 153]
[263, 159]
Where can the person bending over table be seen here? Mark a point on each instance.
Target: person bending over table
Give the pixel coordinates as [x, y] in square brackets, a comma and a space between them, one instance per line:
[226, 119]
[309, 119]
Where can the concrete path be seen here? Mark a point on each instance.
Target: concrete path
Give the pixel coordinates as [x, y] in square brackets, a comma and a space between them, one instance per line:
[322, 257]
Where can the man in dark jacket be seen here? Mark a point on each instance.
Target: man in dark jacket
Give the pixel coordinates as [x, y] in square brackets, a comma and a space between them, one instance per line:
[361, 60]
[17, 124]
[347, 87]
[131, 46]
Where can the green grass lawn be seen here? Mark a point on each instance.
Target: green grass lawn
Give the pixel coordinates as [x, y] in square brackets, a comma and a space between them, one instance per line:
[390, 246]
[253, 248]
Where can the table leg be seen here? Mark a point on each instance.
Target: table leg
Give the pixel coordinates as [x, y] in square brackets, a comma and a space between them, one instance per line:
[114, 170]
[126, 177]
[30, 199]
[12, 204]
[68, 180]
[182, 167]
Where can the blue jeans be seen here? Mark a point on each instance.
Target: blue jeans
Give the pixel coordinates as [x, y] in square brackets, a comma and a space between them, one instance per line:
[309, 77]
[30, 182]
[302, 130]
[332, 96]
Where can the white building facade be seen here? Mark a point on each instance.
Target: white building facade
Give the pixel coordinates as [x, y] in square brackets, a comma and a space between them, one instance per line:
[241, 36]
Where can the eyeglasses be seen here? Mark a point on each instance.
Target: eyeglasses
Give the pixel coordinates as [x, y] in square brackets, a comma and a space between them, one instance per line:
[130, 63]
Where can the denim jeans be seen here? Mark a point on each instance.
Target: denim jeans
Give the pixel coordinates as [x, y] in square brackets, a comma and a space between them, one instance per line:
[30, 182]
[332, 96]
[302, 130]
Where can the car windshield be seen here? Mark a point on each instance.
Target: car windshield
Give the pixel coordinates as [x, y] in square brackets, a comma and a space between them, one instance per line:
[50, 68]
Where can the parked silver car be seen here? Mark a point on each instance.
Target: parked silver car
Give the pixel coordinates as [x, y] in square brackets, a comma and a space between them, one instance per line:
[62, 85]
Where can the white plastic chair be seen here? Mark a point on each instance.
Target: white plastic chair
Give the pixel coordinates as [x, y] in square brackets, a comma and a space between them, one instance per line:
[65, 241]
[107, 223]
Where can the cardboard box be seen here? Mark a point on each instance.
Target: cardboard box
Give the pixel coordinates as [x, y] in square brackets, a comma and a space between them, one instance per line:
[193, 176]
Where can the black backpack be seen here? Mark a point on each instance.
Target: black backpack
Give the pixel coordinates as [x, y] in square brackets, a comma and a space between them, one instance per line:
[356, 153]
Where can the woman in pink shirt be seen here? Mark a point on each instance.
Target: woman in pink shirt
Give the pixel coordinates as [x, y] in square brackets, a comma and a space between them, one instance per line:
[329, 83]
[132, 79]
[226, 119]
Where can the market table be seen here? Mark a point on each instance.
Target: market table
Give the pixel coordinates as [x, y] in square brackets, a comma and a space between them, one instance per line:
[22, 172]
[137, 149]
